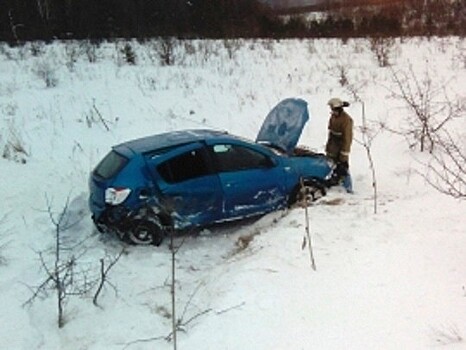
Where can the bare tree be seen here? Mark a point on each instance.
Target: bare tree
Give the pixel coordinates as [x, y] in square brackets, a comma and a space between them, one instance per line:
[178, 324]
[431, 111]
[429, 106]
[62, 274]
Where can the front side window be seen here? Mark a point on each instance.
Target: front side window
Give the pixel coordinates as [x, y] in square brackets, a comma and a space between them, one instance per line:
[184, 167]
[110, 165]
[236, 158]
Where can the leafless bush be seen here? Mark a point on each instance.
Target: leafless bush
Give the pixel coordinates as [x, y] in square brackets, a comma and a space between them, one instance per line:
[47, 72]
[163, 51]
[62, 273]
[129, 54]
[125, 54]
[179, 323]
[267, 44]
[429, 105]
[446, 170]
[37, 48]
[184, 320]
[166, 51]
[232, 46]
[189, 47]
[343, 75]
[13, 146]
[94, 117]
[447, 335]
[340, 72]
[382, 47]
[14, 150]
[90, 50]
[72, 52]
[206, 50]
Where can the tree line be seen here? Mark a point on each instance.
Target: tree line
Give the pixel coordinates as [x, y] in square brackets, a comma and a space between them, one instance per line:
[24, 20]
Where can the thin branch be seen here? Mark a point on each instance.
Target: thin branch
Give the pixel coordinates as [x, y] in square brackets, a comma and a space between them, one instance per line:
[104, 273]
[100, 117]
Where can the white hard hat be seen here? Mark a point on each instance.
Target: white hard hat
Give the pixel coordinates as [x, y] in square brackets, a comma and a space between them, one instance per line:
[335, 103]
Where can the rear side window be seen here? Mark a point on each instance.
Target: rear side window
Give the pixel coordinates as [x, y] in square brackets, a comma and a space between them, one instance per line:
[110, 165]
[184, 167]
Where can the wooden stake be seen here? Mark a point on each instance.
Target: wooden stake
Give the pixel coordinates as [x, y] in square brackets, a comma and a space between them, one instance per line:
[308, 229]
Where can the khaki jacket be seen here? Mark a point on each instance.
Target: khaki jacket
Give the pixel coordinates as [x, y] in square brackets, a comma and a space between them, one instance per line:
[340, 137]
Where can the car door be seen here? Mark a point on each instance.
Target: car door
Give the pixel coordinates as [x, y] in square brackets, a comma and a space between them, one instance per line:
[252, 181]
[190, 189]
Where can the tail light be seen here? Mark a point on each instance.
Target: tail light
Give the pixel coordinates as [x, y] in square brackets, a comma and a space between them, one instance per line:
[115, 196]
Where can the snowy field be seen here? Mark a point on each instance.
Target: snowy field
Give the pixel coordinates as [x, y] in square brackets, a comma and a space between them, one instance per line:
[395, 279]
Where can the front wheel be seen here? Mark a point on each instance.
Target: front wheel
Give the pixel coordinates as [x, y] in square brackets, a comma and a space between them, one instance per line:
[144, 232]
[311, 190]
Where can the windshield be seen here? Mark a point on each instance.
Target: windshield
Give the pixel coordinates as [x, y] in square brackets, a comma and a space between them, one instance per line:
[110, 165]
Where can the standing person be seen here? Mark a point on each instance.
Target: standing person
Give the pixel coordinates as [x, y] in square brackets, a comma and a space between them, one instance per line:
[340, 137]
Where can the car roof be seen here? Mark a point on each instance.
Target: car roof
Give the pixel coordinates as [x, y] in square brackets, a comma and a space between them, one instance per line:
[169, 139]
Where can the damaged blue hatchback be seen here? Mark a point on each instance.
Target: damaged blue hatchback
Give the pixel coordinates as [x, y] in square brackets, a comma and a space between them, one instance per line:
[195, 178]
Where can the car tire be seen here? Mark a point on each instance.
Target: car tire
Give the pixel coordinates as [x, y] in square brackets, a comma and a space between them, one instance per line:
[313, 189]
[144, 232]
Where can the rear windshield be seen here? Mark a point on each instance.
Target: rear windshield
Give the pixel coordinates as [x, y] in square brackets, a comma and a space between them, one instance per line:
[110, 165]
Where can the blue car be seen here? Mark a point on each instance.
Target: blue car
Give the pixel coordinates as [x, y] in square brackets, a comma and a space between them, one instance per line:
[195, 178]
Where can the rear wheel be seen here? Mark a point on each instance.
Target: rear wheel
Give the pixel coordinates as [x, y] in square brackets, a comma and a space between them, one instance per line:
[144, 232]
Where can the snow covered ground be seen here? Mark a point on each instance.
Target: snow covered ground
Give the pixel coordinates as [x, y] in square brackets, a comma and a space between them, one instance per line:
[391, 280]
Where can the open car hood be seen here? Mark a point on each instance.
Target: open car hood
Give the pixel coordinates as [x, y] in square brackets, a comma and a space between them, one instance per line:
[284, 124]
